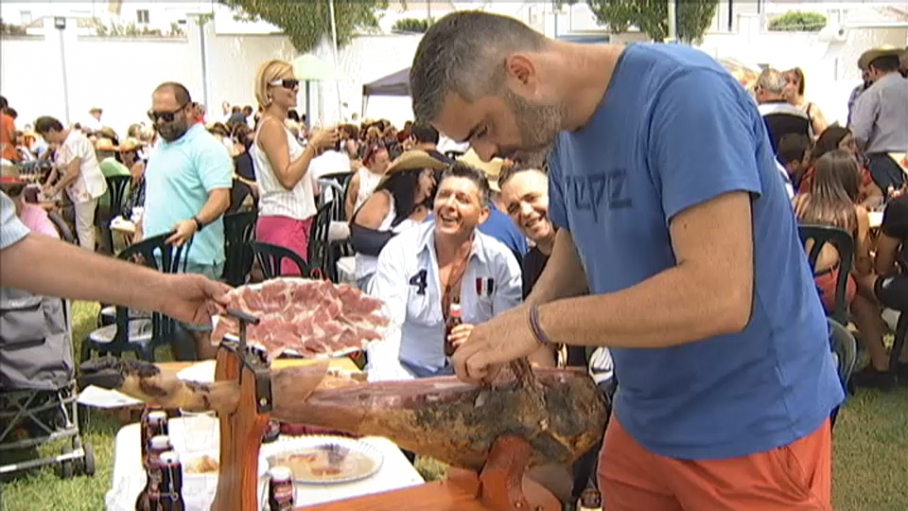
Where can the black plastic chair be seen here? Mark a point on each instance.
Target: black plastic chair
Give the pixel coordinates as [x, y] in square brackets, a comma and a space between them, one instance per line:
[819, 236]
[898, 343]
[138, 333]
[845, 350]
[271, 258]
[319, 249]
[116, 191]
[66, 234]
[239, 231]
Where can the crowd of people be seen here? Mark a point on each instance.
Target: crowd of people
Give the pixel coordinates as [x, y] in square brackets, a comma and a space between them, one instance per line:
[630, 197]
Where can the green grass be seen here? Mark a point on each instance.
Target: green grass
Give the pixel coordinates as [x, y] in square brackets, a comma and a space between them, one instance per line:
[870, 471]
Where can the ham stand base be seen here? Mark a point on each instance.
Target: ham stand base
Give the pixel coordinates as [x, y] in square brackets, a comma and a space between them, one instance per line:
[500, 487]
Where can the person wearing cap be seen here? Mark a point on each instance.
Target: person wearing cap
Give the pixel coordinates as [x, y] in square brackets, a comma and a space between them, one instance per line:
[93, 122]
[498, 225]
[402, 199]
[79, 174]
[880, 118]
[423, 270]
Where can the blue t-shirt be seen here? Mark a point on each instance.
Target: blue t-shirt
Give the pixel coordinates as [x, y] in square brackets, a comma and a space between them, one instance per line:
[178, 179]
[674, 130]
[500, 227]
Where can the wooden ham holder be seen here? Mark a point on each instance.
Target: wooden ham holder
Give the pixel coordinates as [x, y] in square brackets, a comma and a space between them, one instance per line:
[501, 486]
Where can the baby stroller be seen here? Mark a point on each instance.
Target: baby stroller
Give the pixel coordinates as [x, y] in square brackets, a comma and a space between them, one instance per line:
[37, 384]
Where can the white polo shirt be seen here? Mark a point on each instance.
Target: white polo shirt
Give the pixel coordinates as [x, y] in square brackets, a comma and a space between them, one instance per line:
[406, 279]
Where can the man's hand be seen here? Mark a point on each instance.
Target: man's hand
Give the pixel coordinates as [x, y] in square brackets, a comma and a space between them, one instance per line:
[323, 139]
[191, 298]
[460, 334]
[502, 339]
[183, 230]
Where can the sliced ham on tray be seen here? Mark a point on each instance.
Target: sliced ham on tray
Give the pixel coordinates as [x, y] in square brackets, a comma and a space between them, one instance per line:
[305, 317]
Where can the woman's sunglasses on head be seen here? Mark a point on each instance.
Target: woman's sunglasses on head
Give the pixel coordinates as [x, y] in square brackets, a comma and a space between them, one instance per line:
[288, 83]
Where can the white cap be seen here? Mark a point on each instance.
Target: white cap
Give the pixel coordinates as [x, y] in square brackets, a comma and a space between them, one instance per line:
[280, 473]
[160, 442]
[157, 415]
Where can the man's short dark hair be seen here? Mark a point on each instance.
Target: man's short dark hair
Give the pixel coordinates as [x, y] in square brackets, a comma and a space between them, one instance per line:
[180, 92]
[3, 103]
[792, 147]
[460, 169]
[886, 63]
[12, 112]
[46, 124]
[508, 173]
[424, 133]
[247, 108]
[464, 53]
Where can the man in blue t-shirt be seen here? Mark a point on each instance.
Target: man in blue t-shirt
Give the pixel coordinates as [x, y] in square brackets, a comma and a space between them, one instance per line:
[665, 190]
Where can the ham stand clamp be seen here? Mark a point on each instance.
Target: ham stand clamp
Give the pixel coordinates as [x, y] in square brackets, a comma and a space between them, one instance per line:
[241, 431]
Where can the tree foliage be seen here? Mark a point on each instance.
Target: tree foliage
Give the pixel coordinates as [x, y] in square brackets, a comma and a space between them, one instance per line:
[307, 22]
[412, 25]
[651, 16]
[798, 21]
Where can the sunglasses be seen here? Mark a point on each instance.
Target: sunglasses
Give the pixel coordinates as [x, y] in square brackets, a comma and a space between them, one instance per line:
[288, 83]
[164, 116]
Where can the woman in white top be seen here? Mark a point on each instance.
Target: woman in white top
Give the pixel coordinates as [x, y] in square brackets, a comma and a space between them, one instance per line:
[375, 162]
[287, 200]
[77, 171]
[401, 200]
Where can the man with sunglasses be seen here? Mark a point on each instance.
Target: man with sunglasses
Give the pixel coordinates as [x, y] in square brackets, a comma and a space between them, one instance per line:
[187, 189]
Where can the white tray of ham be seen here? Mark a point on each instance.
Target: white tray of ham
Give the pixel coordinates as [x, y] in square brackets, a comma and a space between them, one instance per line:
[304, 317]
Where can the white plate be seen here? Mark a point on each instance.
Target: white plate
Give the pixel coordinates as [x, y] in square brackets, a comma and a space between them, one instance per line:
[293, 353]
[274, 451]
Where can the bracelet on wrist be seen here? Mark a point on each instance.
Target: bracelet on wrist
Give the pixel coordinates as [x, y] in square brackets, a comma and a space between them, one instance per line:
[533, 317]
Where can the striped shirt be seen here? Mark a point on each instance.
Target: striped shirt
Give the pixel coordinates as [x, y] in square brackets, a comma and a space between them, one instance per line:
[275, 200]
[12, 230]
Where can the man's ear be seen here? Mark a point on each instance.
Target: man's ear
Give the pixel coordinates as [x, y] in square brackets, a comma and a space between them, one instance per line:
[484, 214]
[522, 74]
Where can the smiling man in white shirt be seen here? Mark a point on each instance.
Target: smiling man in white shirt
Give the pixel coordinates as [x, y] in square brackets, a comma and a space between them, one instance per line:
[425, 269]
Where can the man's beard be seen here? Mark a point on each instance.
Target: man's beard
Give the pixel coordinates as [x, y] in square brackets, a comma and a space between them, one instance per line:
[538, 126]
[173, 131]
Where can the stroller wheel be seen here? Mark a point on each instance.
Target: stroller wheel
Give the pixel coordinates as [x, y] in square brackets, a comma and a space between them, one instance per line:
[88, 466]
[66, 467]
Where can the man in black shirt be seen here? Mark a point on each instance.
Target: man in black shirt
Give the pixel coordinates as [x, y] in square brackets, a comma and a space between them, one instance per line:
[425, 138]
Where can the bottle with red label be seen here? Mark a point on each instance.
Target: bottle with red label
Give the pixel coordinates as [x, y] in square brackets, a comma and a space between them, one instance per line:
[153, 423]
[590, 500]
[150, 496]
[454, 319]
[171, 489]
[280, 489]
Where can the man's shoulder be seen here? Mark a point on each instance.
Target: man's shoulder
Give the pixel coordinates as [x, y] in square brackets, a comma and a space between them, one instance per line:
[495, 251]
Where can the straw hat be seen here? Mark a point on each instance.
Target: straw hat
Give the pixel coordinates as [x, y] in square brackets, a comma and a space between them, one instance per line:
[881, 51]
[105, 144]
[130, 144]
[413, 159]
[492, 169]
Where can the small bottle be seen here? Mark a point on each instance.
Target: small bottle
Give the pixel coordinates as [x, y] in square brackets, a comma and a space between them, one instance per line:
[171, 489]
[590, 500]
[151, 494]
[153, 423]
[272, 432]
[453, 320]
[280, 489]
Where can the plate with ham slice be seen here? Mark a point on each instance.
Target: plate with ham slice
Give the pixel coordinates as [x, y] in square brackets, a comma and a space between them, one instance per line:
[305, 317]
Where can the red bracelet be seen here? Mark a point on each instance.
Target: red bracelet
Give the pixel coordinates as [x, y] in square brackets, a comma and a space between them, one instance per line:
[533, 318]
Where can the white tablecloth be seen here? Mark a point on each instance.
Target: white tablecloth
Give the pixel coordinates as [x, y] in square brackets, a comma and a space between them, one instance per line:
[128, 478]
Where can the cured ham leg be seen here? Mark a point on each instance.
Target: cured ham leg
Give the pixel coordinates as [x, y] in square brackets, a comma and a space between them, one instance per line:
[454, 422]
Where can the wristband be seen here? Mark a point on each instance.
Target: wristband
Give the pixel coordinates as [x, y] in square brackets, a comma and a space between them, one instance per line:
[538, 334]
[198, 224]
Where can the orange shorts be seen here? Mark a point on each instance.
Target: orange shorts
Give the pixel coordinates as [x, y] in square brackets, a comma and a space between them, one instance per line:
[795, 477]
